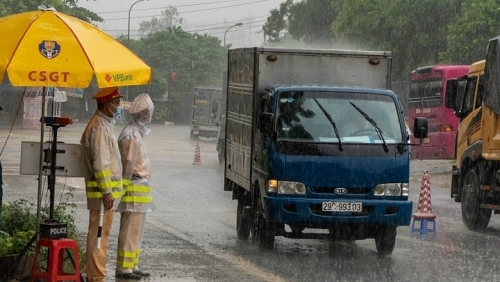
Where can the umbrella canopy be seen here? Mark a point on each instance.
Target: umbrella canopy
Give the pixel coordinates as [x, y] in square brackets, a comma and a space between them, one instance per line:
[48, 48]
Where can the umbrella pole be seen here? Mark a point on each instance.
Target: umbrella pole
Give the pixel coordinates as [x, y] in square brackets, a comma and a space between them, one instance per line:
[40, 166]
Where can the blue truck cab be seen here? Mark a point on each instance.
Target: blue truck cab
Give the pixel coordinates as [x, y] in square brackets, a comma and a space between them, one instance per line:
[315, 141]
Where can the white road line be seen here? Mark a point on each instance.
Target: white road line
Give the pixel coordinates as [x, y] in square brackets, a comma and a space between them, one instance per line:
[237, 262]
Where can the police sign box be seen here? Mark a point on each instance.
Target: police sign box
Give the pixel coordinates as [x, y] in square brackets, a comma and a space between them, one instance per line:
[53, 230]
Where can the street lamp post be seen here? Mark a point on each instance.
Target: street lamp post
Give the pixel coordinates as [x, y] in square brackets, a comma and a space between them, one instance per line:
[238, 24]
[128, 36]
[128, 30]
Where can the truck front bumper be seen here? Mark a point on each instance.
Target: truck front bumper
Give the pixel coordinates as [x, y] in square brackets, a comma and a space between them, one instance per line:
[288, 210]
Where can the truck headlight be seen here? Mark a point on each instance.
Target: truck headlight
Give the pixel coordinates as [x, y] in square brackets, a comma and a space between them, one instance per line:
[289, 187]
[392, 189]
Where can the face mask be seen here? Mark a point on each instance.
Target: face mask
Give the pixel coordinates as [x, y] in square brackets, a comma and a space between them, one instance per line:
[117, 109]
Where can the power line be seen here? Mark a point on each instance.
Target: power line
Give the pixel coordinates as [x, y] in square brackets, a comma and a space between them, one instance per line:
[223, 24]
[187, 12]
[246, 26]
[190, 5]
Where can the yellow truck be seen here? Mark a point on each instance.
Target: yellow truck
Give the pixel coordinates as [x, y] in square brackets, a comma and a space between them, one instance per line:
[476, 174]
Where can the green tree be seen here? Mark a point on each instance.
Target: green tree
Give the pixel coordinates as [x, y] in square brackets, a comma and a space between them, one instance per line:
[276, 22]
[311, 21]
[413, 30]
[197, 60]
[305, 21]
[169, 18]
[469, 33]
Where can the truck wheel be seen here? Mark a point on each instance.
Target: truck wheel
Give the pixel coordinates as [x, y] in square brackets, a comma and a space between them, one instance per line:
[264, 229]
[243, 226]
[473, 216]
[385, 239]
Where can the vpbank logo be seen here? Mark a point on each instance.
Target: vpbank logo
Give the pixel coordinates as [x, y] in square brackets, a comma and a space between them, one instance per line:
[119, 77]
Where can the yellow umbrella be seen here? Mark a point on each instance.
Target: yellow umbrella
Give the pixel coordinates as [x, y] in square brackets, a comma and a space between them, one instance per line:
[48, 48]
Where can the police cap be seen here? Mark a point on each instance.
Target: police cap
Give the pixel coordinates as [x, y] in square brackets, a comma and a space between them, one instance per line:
[106, 94]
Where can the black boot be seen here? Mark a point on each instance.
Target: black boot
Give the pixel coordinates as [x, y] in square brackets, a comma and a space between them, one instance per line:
[128, 276]
[141, 273]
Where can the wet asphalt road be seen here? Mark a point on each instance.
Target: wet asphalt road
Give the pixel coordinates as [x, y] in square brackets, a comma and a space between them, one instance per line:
[191, 236]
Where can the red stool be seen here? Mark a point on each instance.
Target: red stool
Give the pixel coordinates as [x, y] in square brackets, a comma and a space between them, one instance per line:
[424, 218]
[55, 261]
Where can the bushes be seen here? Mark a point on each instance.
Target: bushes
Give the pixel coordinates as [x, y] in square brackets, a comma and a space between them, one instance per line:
[18, 223]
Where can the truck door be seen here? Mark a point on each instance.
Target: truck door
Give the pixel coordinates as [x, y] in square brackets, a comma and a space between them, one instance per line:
[261, 142]
[470, 115]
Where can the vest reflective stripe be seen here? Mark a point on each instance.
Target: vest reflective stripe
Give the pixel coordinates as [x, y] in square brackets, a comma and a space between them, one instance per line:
[126, 182]
[136, 199]
[125, 264]
[126, 259]
[126, 254]
[137, 257]
[93, 184]
[138, 188]
[102, 174]
[97, 195]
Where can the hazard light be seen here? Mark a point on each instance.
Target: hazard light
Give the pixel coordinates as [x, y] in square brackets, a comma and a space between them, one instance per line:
[272, 186]
[62, 121]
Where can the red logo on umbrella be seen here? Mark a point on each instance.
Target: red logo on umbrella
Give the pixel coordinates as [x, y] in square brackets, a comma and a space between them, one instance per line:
[107, 77]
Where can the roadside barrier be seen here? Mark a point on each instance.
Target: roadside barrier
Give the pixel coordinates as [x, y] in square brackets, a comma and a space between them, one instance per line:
[424, 214]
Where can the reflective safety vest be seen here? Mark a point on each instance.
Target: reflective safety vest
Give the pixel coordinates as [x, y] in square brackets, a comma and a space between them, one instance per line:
[136, 171]
[101, 166]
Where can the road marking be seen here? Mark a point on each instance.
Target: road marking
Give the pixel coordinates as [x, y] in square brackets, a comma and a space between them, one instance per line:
[237, 262]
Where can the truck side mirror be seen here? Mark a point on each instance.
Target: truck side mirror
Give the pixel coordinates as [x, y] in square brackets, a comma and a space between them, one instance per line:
[451, 93]
[420, 127]
[265, 124]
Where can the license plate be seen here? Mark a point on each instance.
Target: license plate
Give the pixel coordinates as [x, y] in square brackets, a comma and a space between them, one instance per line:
[196, 132]
[427, 140]
[341, 207]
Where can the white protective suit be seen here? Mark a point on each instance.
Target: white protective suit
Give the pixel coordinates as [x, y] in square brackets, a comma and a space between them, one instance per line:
[137, 199]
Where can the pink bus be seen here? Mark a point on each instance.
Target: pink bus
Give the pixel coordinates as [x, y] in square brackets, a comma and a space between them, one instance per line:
[426, 99]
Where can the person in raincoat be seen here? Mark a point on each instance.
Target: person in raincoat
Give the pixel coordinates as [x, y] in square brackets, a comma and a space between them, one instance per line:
[137, 200]
[102, 170]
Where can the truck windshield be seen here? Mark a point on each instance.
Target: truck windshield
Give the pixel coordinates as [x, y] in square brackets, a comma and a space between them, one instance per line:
[301, 119]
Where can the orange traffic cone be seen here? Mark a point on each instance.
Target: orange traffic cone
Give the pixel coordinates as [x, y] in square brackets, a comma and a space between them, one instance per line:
[424, 201]
[197, 157]
[424, 213]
